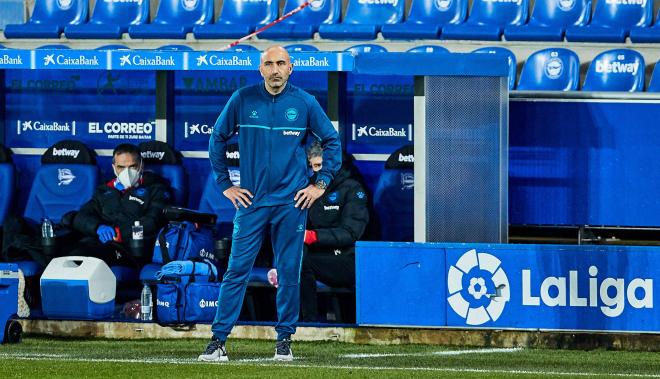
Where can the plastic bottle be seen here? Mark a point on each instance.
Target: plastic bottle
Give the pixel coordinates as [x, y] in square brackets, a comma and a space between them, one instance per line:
[46, 228]
[137, 239]
[146, 304]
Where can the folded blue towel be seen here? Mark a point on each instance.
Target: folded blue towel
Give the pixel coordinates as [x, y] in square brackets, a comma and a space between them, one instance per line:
[178, 268]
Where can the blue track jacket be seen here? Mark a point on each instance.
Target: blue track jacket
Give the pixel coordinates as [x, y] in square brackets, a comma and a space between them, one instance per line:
[272, 133]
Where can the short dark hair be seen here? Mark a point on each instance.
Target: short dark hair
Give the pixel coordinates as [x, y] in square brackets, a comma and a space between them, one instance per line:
[315, 150]
[127, 148]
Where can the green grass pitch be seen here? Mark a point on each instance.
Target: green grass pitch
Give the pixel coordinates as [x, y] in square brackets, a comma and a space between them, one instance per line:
[43, 357]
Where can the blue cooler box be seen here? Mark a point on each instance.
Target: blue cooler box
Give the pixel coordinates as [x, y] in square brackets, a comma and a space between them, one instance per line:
[8, 295]
[78, 288]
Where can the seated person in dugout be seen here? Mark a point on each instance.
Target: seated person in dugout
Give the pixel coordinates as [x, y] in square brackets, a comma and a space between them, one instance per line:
[102, 228]
[106, 221]
[334, 223]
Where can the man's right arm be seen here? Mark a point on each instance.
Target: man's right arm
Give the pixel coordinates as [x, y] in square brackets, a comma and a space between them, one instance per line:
[88, 219]
[223, 129]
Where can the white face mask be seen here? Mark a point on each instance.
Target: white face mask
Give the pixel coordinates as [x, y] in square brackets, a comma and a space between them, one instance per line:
[129, 177]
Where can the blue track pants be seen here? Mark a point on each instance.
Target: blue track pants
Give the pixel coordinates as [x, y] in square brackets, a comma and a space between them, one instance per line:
[287, 227]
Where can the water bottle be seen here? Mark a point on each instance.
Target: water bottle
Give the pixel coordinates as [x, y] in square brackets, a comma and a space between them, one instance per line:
[47, 237]
[145, 304]
[137, 239]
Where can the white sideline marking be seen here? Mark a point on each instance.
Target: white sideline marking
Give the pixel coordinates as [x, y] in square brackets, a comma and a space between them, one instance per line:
[193, 361]
[444, 352]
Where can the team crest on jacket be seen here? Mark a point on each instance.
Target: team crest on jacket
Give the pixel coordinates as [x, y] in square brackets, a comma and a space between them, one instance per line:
[332, 197]
[291, 114]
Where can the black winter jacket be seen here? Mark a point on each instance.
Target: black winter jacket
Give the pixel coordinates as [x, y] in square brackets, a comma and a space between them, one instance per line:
[341, 215]
[111, 207]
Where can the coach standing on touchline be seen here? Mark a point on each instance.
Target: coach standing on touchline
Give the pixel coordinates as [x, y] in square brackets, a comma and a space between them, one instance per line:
[276, 121]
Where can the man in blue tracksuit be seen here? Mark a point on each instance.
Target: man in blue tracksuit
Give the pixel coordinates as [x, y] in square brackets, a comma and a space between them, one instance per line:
[273, 120]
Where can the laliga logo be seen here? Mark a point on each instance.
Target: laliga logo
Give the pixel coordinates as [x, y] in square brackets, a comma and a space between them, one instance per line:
[189, 4]
[65, 176]
[442, 5]
[553, 67]
[566, 5]
[64, 4]
[487, 288]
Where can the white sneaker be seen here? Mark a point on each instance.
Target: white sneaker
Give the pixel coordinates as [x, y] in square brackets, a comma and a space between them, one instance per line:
[215, 352]
[23, 308]
[283, 351]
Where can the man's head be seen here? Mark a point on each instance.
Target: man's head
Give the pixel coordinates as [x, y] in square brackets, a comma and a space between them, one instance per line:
[315, 156]
[127, 164]
[275, 68]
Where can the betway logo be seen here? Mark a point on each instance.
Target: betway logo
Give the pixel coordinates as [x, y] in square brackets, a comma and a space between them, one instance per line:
[290, 133]
[6, 59]
[626, 2]
[208, 303]
[64, 152]
[406, 158]
[617, 67]
[215, 60]
[137, 60]
[311, 62]
[121, 128]
[161, 303]
[137, 199]
[153, 155]
[331, 207]
[377, 2]
[233, 155]
[612, 306]
[63, 60]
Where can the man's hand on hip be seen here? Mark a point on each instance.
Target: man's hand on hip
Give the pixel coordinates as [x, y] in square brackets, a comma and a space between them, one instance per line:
[307, 196]
[238, 195]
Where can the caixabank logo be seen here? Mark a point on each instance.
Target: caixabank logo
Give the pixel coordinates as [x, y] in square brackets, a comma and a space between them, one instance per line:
[478, 288]
[381, 133]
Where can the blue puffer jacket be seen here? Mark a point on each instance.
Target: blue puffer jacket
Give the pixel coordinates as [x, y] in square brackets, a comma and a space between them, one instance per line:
[273, 133]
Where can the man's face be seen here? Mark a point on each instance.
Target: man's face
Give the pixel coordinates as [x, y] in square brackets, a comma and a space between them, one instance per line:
[123, 161]
[316, 163]
[275, 68]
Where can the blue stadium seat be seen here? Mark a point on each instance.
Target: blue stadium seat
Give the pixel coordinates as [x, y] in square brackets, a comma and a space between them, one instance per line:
[616, 70]
[7, 182]
[306, 22]
[212, 199]
[238, 19]
[243, 48]
[175, 19]
[163, 160]
[426, 19]
[49, 18]
[296, 48]
[550, 19]
[66, 180]
[643, 34]
[487, 20]
[175, 48]
[366, 48]
[554, 69]
[110, 20]
[393, 197]
[612, 21]
[363, 20]
[54, 47]
[113, 47]
[511, 58]
[654, 85]
[428, 49]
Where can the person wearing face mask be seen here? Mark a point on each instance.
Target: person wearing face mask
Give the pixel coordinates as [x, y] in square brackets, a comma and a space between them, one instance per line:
[106, 220]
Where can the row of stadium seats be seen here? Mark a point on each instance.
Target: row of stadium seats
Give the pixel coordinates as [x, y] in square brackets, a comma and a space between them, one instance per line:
[551, 20]
[552, 69]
